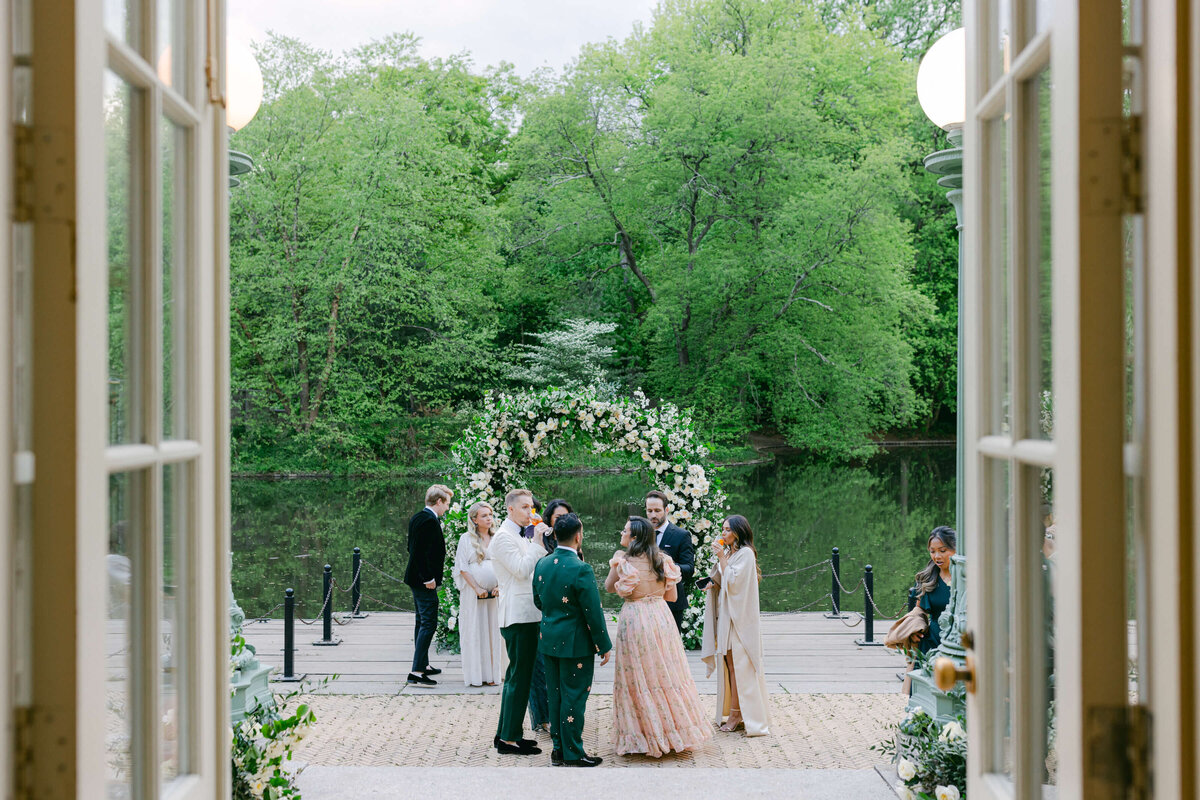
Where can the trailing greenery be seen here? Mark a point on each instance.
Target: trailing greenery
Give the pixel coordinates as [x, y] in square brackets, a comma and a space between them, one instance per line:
[263, 743]
[732, 198]
[930, 757]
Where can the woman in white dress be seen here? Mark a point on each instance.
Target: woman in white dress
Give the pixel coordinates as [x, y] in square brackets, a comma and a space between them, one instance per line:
[732, 640]
[478, 626]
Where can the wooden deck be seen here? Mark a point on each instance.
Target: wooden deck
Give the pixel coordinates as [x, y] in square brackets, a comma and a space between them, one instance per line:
[804, 653]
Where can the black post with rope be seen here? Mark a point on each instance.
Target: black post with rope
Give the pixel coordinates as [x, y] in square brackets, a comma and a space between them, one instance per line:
[835, 591]
[868, 639]
[289, 639]
[327, 639]
[356, 585]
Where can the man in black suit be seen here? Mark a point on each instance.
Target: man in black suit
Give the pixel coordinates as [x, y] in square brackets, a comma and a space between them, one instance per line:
[677, 543]
[426, 563]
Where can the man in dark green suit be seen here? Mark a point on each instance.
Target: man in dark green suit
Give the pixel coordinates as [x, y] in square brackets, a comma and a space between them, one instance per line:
[572, 633]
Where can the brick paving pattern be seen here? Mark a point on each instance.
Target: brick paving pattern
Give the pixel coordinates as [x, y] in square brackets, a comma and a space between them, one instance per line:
[809, 731]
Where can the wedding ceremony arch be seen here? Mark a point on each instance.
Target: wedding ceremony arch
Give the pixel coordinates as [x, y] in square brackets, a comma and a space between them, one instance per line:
[517, 434]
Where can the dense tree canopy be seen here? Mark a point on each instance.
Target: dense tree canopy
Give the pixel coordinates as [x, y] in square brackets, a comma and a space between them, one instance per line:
[736, 189]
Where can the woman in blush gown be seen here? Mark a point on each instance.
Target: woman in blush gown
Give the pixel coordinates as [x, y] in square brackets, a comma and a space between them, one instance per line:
[656, 707]
[478, 626]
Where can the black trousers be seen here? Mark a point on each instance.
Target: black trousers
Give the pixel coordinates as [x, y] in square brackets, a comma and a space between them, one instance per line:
[677, 613]
[426, 603]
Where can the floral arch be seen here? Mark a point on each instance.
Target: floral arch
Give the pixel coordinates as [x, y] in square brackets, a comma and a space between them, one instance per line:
[516, 433]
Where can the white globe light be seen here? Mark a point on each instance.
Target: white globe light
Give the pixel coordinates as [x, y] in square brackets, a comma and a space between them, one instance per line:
[942, 80]
[243, 84]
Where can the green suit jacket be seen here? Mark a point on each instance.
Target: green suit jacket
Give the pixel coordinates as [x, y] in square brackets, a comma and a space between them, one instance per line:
[564, 588]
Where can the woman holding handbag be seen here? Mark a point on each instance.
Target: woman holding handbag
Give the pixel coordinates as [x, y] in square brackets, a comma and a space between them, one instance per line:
[919, 629]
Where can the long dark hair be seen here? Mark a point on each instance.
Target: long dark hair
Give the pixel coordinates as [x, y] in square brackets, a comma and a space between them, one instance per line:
[745, 537]
[553, 506]
[927, 578]
[641, 542]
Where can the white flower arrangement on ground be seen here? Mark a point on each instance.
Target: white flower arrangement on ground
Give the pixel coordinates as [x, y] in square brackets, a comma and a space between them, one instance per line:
[516, 433]
[263, 768]
[931, 757]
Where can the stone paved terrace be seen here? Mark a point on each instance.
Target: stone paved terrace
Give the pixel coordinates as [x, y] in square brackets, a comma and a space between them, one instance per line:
[378, 738]
[804, 653]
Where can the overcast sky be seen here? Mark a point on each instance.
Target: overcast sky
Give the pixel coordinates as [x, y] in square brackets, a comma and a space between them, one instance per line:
[528, 33]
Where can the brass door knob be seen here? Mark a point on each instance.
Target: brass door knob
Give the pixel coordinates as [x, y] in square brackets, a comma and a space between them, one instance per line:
[946, 673]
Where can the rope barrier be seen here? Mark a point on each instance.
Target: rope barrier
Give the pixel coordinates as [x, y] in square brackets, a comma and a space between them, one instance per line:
[321, 611]
[799, 570]
[382, 602]
[878, 610]
[381, 572]
[822, 599]
[352, 580]
[265, 617]
[842, 586]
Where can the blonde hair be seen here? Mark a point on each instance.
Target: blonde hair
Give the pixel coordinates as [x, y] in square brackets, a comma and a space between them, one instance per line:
[473, 529]
[436, 493]
[516, 494]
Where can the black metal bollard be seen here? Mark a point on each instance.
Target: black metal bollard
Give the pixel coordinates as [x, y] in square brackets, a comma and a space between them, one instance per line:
[356, 585]
[835, 588]
[868, 639]
[327, 639]
[912, 597]
[289, 639]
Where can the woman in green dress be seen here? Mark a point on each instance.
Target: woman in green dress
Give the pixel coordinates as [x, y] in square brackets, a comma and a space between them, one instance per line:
[933, 583]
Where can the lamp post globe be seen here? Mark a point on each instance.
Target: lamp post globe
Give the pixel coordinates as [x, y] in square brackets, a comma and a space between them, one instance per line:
[243, 96]
[942, 81]
[243, 84]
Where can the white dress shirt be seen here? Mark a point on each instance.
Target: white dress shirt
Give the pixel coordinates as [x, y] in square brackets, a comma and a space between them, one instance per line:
[514, 557]
[661, 531]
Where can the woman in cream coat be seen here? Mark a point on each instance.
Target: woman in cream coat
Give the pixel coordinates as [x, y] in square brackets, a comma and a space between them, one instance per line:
[732, 641]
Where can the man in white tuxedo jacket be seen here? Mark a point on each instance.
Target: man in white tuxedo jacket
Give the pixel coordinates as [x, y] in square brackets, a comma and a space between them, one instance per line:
[514, 557]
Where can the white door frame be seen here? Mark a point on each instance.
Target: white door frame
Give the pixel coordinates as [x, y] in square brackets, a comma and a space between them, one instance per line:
[65, 736]
[1172, 164]
[1084, 55]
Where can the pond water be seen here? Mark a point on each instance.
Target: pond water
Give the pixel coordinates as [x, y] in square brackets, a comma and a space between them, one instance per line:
[877, 513]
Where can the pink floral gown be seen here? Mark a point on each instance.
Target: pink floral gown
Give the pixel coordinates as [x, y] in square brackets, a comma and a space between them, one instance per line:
[655, 703]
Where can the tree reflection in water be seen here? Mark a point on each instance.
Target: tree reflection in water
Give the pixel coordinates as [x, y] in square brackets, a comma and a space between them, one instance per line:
[877, 513]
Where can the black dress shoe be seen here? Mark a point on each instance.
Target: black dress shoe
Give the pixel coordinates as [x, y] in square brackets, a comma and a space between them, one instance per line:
[431, 671]
[420, 680]
[556, 759]
[586, 761]
[505, 748]
[520, 742]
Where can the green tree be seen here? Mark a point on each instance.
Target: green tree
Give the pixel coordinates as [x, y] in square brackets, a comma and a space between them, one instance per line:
[726, 185]
[361, 242]
[572, 358]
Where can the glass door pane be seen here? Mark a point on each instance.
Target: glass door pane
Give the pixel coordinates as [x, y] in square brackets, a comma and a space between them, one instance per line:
[1038, 279]
[126, 506]
[175, 327]
[996, 270]
[174, 630]
[1041, 530]
[122, 108]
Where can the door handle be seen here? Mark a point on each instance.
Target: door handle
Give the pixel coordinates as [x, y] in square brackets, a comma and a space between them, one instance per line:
[946, 673]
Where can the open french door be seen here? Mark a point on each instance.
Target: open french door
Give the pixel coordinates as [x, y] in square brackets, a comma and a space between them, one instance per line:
[116, 357]
[1048, 399]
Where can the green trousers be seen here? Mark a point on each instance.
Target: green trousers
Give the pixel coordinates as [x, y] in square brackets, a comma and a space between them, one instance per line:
[521, 641]
[568, 684]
